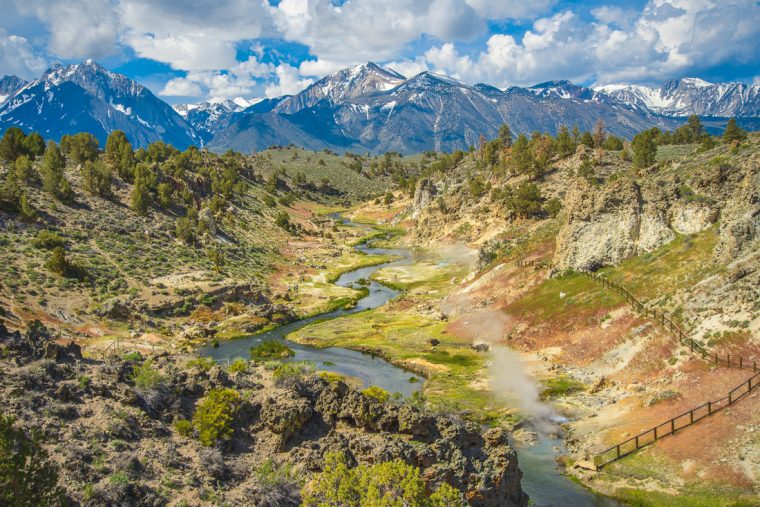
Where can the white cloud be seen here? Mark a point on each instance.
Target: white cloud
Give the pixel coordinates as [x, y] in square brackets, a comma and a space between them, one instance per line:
[17, 57]
[363, 30]
[665, 40]
[288, 82]
[514, 9]
[78, 28]
[240, 80]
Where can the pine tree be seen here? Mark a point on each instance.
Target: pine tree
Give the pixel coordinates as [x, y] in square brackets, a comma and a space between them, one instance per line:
[587, 140]
[24, 170]
[564, 144]
[28, 213]
[96, 177]
[644, 149]
[733, 132]
[58, 263]
[119, 155]
[505, 136]
[12, 144]
[521, 156]
[34, 145]
[51, 172]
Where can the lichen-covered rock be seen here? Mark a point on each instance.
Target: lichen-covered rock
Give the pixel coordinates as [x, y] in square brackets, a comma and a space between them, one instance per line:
[424, 195]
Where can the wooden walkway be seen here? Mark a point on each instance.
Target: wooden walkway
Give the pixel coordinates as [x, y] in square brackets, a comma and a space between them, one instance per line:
[690, 417]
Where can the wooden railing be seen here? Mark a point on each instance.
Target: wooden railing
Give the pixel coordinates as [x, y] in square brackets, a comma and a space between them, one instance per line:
[690, 417]
[675, 424]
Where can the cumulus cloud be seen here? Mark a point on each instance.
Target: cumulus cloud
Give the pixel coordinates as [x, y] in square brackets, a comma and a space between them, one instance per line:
[364, 30]
[78, 28]
[288, 82]
[514, 9]
[203, 38]
[240, 80]
[17, 57]
[664, 40]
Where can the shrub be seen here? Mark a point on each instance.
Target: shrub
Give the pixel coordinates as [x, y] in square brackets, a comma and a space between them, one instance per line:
[183, 427]
[132, 356]
[145, 376]
[26, 475]
[57, 262]
[391, 484]
[377, 393]
[332, 377]
[239, 365]
[293, 371]
[47, 239]
[201, 363]
[271, 349]
[214, 416]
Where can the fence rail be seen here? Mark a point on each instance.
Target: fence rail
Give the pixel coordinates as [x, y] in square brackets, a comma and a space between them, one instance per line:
[679, 422]
[690, 417]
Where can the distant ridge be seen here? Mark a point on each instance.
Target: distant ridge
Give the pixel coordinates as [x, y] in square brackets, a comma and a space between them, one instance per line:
[361, 108]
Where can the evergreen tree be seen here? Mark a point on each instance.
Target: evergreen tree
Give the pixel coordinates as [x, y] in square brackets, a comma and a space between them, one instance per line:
[644, 148]
[10, 192]
[80, 148]
[613, 143]
[564, 143]
[58, 263]
[24, 170]
[599, 135]
[587, 140]
[505, 136]
[695, 128]
[733, 132]
[119, 155]
[96, 177]
[51, 172]
[12, 144]
[28, 213]
[521, 156]
[34, 145]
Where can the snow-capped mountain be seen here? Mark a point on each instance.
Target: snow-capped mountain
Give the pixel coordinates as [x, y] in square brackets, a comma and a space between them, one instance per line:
[344, 85]
[9, 85]
[687, 96]
[361, 108]
[207, 118]
[87, 97]
[366, 108]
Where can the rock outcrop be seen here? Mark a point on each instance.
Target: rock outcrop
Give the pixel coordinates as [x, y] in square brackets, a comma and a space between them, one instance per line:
[628, 217]
[105, 429]
[424, 195]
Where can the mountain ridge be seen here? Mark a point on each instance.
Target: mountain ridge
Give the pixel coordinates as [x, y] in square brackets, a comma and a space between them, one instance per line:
[364, 108]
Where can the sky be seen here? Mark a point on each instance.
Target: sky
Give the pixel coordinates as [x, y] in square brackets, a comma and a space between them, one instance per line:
[193, 50]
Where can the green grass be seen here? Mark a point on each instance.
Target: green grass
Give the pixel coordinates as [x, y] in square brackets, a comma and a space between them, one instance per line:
[560, 386]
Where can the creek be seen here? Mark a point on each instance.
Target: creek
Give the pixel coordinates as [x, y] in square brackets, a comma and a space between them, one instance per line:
[542, 479]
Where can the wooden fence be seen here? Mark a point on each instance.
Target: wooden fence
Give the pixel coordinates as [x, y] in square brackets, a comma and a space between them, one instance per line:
[675, 424]
[690, 417]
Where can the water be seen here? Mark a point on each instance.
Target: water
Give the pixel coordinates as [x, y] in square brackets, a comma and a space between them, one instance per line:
[544, 483]
[371, 370]
[542, 480]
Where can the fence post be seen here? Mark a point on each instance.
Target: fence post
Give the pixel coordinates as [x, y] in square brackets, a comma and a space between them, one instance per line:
[691, 417]
[709, 408]
[637, 441]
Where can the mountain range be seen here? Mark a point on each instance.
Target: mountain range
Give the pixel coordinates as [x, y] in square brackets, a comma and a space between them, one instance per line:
[361, 108]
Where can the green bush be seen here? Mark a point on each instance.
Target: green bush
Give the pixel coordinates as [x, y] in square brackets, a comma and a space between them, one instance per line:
[294, 370]
[47, 240]
[214, 416]
[271, 349]
[377, 393]
[332, 377]
[201, 363]
[388, 484]
[26, 475]
[183, 427]
[145, 376]
[239, 365]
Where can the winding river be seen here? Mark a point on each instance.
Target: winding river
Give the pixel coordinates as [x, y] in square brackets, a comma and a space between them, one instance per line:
[542, 480]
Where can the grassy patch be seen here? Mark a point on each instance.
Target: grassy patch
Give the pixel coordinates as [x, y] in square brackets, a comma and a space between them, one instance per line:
[560, 386]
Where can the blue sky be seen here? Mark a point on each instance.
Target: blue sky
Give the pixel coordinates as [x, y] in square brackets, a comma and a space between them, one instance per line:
[195, 50]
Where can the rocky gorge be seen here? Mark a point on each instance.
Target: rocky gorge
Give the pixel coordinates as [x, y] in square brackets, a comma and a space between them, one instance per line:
[113, 431]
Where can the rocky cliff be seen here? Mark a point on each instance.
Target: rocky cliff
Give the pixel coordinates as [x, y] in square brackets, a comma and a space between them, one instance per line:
[112, 433]
[634, 215]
